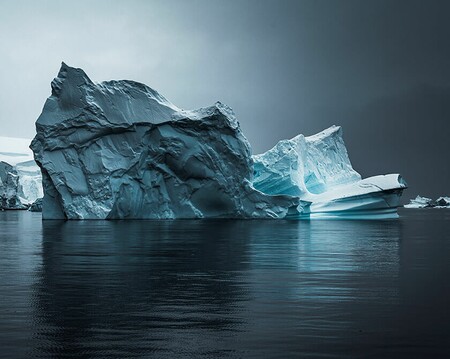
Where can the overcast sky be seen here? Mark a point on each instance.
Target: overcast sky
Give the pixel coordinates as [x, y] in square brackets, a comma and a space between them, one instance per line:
[381, 69]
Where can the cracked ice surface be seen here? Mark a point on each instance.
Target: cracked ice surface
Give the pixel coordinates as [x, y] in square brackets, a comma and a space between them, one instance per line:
[119, 149]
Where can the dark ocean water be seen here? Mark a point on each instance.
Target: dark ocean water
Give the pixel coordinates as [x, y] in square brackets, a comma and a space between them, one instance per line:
[225, 289]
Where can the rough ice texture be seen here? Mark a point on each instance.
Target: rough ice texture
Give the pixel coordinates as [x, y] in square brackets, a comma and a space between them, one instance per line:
[317, 169]
[443, 202]
[36, 206]
[424, 202]
[420, 202]
[305, 166]
[9, 184]
[119, 149]
[20, 177]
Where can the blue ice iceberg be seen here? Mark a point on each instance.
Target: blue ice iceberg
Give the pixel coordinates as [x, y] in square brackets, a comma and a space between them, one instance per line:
[317, 169]
[20, 177]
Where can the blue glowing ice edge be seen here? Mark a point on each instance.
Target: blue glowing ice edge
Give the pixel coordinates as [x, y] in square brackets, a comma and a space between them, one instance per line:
[317, 170]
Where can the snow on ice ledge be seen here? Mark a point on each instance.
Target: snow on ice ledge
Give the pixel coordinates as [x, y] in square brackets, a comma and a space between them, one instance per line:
[317, 170]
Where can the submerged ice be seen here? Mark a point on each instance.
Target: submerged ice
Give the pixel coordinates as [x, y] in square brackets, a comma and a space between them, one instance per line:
[119, 149]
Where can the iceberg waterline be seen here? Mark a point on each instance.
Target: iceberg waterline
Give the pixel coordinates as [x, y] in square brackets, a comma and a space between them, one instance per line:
[119, 149]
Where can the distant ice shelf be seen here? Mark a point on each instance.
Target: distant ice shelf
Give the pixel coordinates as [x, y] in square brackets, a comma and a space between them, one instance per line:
[120, 150]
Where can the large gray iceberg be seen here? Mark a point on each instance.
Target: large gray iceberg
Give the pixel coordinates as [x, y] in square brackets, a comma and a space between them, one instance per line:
[119, 149]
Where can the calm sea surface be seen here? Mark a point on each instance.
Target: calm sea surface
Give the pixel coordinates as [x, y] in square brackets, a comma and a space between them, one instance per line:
[225, 289]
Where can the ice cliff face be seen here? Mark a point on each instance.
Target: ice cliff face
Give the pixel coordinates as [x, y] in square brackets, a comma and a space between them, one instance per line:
[305, 166]
[119, 149]
[9, 183]
[317, 169]
[20, 177]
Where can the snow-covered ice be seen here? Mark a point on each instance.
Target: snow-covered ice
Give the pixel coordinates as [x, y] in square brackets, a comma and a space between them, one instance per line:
[317, 169]
[425, 202]
[420, 202]
[305, 166]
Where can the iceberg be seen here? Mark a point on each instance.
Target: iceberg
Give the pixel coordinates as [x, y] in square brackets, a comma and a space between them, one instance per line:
[317, 170]
[424, 202]
[443, 202]
[36, 206]
[20, 177]
[420, 202]
[119, 150]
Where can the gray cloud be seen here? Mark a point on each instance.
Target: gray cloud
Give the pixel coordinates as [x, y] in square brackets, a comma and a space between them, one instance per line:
[380, 68]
